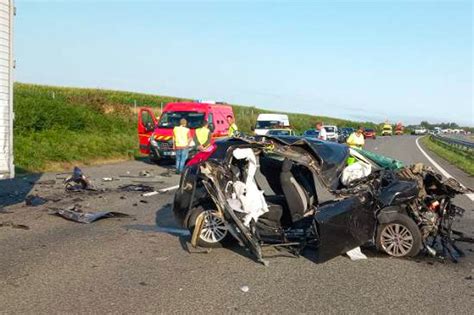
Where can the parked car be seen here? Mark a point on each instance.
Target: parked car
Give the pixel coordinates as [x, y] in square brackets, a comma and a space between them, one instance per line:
[332, 133]
[419, 131]
[344, 133]
[156, 135]
[266, 122]
[288, 192]
[311, 133]
[370, 133]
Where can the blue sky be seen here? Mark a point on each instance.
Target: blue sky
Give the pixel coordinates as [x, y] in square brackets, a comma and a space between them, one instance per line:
[373, 60]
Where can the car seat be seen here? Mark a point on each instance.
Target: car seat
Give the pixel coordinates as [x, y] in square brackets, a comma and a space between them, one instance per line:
[296, 196]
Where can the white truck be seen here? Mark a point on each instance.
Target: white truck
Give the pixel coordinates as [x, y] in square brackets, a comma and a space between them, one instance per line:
[266, 122]
[7, 11]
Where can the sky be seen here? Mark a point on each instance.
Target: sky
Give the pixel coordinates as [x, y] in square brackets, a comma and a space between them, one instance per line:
[363, 60]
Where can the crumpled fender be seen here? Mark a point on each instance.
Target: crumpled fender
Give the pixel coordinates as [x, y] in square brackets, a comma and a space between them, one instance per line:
[388, 214]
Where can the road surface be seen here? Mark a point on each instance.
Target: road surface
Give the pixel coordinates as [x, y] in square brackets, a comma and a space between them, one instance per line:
[141, 264]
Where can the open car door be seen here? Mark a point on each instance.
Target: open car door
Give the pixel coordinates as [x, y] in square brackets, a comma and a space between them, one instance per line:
[344, 225]
[146, 125]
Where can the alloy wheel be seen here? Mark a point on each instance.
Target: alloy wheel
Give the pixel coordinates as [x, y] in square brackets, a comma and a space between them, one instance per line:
[214, 229]
[396, 240]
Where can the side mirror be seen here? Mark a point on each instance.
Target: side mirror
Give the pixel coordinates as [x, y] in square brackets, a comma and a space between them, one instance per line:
[211, 127]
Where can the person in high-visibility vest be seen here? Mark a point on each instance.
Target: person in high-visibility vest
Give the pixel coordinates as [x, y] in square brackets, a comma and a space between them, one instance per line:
[181, 142]
[232, 126]
[202, 138]
[356, 139]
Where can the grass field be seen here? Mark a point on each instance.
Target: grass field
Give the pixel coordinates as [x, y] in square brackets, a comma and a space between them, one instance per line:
[461, 159]
[56, 127]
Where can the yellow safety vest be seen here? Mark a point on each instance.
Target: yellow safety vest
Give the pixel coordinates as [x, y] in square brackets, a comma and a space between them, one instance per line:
[202, 135]
[232, 129]
[181, 136]
[356, 141]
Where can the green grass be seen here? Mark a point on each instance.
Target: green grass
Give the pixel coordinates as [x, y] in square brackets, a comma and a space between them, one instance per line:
[463, 160]
[58, 126]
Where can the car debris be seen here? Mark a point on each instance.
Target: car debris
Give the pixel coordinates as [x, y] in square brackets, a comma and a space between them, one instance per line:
[164, 190]
[14, 225]
[75, 213]
[136, 187]
[356, 254]
[77, 181]
[244, 288]
[35, 201]
[402, 210]
[151, 193]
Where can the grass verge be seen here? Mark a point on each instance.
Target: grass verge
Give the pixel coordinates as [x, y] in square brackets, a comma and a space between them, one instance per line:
[461, 159]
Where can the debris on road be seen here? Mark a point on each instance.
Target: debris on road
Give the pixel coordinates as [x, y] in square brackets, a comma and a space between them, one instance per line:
[74, 213]
[244, 289]
[151, 193]
[78, 181]
[137, 187]
[356, 254]
[14, 225]
[35, 200]
[163, 190]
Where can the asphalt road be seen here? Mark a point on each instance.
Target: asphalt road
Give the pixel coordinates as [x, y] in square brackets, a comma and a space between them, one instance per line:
[133, 265]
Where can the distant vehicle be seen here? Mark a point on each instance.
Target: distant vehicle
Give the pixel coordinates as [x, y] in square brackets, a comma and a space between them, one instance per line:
[437, 130]
[387, 130]
[344, 133]
[419, 131]
[311, 133]
[369, 133]
[332, 132]
[156, 136]
[7, 169]
[399, 129]
[266, 122]
[281, 132]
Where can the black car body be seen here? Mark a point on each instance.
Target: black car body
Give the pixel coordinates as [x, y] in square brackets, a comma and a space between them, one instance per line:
[307, 205]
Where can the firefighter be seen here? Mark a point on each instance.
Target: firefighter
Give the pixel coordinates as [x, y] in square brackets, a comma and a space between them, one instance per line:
[356, 139]
[232, 126]
[181, 142]
[202, 138]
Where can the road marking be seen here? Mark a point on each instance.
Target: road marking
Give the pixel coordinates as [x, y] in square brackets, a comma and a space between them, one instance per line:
[440, 169]
[168, 189]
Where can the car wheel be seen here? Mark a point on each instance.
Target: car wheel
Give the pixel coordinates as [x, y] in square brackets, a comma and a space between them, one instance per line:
[399, 238]
[214, 231]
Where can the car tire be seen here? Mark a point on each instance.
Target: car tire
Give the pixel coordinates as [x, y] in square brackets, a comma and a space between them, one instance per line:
[399, 238]
[215, 234]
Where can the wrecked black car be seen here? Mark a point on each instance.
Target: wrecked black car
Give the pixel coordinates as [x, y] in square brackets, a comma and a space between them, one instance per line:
[297, 193]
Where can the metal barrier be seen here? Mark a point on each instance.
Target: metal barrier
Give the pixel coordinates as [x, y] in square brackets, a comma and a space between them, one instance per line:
[456, 143]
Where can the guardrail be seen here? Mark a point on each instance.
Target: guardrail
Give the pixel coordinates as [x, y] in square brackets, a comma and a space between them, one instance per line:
[455, 143]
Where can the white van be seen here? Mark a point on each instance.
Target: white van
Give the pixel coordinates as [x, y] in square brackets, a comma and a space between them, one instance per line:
[266, 122]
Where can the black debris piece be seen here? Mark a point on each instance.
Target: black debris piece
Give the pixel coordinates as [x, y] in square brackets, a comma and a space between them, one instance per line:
[78, 181]
[14, 225]
[468, 278]
[136, 187]
[123, 197]
[35, 200]
[74, 213]
[143, 201]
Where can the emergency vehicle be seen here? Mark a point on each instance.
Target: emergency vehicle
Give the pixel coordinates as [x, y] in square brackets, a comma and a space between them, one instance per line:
[156, 135]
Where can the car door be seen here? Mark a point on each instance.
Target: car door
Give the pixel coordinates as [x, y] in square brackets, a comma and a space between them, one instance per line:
[146, 125]
[344, 225]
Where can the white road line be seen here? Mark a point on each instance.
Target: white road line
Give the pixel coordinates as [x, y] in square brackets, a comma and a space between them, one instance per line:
[440, 169]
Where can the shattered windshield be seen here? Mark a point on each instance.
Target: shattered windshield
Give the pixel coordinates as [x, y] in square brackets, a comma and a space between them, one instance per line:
[171, 119]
